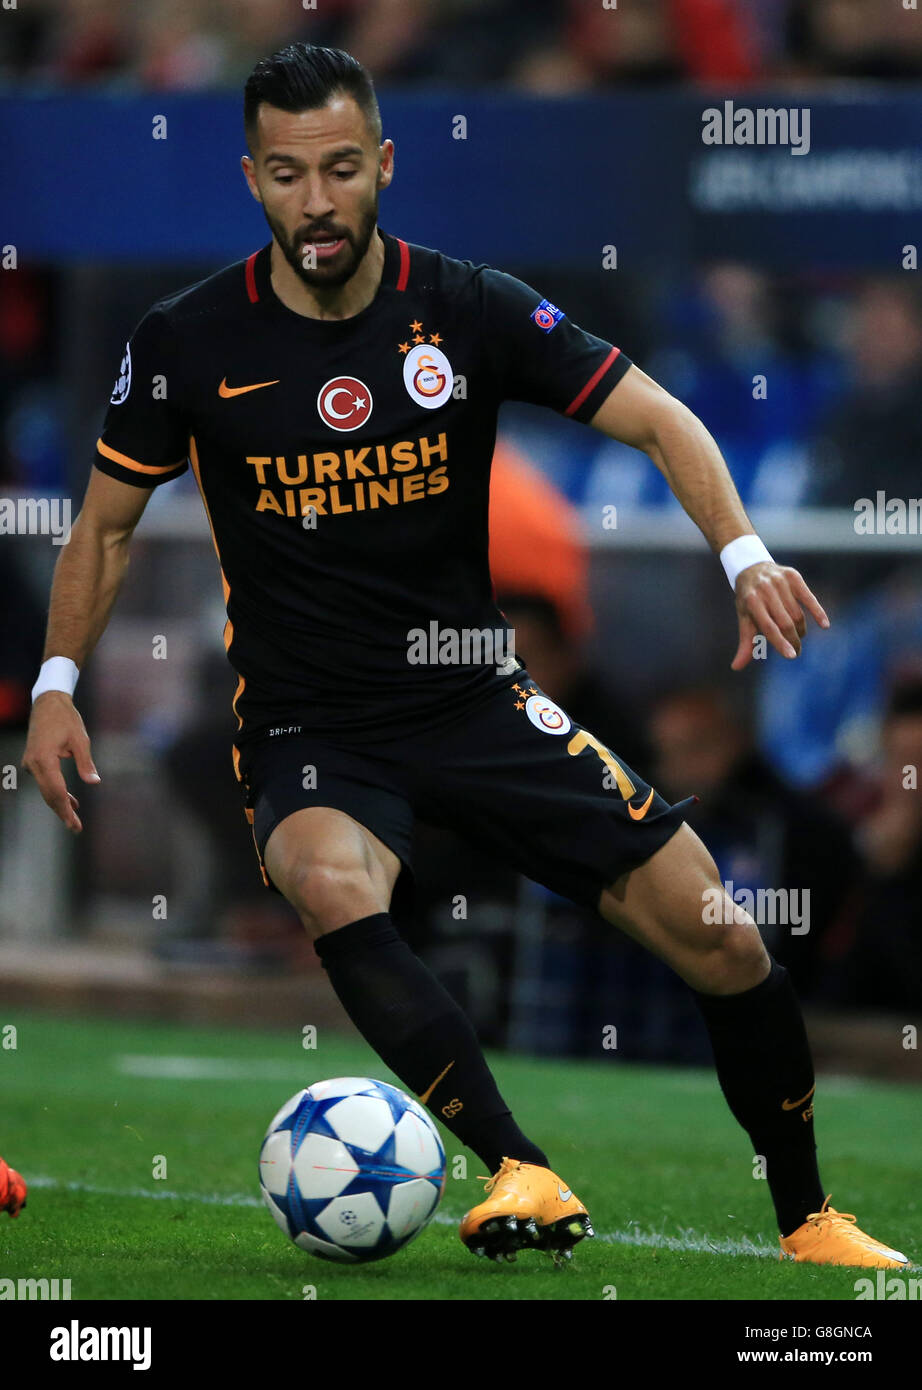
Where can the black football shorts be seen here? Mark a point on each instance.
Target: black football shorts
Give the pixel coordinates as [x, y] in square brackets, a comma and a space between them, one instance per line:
[513, 774]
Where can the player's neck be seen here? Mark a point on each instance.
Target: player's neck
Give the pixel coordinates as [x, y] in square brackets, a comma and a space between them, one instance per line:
[340, 301]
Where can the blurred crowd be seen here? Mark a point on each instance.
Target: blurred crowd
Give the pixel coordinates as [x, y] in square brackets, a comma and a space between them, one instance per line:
[838, 419]
[839, 359]
[545, 46]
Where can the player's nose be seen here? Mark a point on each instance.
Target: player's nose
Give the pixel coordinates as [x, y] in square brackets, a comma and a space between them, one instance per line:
[317, 200]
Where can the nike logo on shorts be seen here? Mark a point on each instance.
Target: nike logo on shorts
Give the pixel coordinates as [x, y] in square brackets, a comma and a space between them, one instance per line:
[638, 812]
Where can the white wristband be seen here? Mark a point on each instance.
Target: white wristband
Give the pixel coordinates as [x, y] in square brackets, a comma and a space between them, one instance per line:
[57, 673]
[738, 555]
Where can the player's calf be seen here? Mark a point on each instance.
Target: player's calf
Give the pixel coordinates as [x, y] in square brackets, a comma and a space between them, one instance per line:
[667, 904]
[753, 1018]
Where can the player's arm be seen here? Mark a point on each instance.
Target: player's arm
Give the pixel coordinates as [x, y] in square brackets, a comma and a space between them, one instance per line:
[87, 578]
[641, 413]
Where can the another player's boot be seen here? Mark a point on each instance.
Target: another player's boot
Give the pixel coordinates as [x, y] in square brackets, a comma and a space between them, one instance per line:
[830, 1237]
[12, 1190]
[528, 1208]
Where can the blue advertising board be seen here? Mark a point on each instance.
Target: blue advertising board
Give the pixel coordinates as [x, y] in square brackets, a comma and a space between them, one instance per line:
[518, 181]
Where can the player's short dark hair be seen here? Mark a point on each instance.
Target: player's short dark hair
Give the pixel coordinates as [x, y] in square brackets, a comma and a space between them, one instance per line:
[304, 77]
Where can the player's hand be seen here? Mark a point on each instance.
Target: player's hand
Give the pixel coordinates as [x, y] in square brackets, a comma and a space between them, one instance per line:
[56, 731]
[768, 601]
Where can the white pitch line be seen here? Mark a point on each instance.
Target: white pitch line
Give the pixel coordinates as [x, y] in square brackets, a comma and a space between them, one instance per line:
[209, 1068]
[160, 1195]
[688, 1240]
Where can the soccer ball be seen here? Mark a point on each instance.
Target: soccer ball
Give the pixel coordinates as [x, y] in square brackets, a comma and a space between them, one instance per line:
[352, 1169]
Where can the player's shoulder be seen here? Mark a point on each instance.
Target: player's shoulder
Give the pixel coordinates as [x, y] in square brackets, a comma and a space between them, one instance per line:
[434, 271]
[225, 293]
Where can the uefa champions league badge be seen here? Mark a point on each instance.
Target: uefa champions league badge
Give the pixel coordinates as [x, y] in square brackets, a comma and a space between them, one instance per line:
[547, 316]
[123, 381]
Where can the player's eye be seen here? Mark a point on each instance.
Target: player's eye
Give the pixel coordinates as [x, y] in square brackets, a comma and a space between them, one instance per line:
[343, 173]
[284, 178]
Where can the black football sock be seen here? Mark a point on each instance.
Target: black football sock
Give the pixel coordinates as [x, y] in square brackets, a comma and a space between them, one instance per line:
[765, 1071]
[419, 1031]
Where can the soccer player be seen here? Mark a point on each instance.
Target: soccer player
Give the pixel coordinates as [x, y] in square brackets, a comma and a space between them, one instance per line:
[336, 395]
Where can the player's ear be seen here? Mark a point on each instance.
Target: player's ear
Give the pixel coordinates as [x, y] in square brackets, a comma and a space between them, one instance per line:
[249, 173]
[386, 164]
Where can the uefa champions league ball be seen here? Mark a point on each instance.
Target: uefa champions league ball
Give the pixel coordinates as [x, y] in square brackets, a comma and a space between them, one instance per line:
[352, 1169]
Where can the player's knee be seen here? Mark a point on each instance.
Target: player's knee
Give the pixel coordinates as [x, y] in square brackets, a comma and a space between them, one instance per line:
[327, 896]
[736, 959]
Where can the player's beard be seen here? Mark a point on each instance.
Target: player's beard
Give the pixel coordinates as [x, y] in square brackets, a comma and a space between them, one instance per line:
[350, 257]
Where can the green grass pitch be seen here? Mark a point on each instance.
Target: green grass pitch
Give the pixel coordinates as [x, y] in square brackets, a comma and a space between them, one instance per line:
[87, 1107]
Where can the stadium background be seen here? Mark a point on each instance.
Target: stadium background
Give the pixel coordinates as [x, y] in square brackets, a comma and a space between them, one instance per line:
[775, 293]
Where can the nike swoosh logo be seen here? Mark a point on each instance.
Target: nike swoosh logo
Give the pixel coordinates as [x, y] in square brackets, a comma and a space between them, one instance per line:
[638, 813]
[793, 1104]
[228, 391]
[426, 1094]
[564, 1193]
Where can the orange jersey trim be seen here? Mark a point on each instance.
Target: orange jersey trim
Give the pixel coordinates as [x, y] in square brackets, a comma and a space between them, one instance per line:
[126, 462]
[228, 626]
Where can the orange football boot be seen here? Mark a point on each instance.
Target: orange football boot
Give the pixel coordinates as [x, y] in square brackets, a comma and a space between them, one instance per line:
[830, 1237]
[528, 1208]
[12, 1190]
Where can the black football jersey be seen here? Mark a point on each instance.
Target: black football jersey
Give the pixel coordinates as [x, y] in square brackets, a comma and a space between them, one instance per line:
[344, 467]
